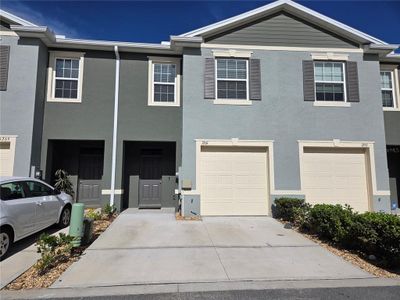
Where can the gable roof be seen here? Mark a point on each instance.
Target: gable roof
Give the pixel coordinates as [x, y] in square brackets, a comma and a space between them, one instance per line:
[293, 8]
[14, 20]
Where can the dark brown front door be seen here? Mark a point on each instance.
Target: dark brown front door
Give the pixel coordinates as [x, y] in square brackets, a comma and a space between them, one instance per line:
[150, 178]
[90, 174]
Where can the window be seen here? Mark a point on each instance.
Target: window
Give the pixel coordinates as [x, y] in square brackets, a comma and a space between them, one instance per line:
[387, 89]
[329, 81]
[12, 191]
[65, 77]
[164, 82]
[164, 79]
[232, 79]
[37, 189]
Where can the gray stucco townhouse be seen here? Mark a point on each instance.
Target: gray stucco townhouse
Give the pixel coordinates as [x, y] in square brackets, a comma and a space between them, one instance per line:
[278, 101]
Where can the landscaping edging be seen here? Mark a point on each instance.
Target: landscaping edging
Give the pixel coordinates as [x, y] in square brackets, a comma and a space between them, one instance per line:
[30, 279]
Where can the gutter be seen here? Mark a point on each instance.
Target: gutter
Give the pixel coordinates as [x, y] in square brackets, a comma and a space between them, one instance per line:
[115, 127]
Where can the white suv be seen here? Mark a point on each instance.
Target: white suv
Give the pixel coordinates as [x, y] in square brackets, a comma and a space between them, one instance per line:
[27, 206]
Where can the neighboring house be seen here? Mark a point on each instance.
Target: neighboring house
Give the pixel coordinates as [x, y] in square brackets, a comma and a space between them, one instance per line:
[277, 102]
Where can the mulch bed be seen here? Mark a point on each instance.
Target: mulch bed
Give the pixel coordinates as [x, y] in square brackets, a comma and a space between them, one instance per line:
[358, 259]
[31, 279]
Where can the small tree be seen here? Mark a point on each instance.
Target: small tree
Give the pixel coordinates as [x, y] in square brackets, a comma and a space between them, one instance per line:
[63, 183]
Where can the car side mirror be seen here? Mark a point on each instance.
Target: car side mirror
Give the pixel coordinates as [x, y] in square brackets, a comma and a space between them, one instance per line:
[56, 192]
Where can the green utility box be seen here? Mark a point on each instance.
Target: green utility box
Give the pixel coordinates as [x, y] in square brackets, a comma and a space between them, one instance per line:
[76, 225]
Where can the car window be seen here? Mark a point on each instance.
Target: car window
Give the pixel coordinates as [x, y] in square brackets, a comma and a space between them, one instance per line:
[12, 191]
[37, 189]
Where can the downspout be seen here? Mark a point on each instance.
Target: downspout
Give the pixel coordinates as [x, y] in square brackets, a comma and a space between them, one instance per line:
[115, 127]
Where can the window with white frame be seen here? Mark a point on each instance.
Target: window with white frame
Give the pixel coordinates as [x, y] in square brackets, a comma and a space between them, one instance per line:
[329, 81]
[65, 77]
[164, 80]
[232, 78]
[387, 89]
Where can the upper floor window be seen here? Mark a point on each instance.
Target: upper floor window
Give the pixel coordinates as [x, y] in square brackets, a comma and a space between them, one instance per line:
[232, 79]
[65, 77]
[387, 89]
[164, 81]
[329, 81]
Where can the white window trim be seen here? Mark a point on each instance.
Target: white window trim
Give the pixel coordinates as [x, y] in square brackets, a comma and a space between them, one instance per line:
[177, 84]
[343, 103]
[232, 53]
[395, 90]
[51, 75]
[330, 56]
[228, 101]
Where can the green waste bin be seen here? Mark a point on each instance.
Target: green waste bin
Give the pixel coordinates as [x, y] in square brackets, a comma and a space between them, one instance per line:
[76, 225]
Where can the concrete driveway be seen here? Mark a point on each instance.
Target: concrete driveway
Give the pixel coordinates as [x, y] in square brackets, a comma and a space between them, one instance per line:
[148, 247]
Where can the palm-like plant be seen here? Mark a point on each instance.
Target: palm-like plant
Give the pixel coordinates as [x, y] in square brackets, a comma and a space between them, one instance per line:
[63, 183]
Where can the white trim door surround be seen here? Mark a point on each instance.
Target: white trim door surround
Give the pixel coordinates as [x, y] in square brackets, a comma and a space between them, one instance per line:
[7, 154]
[370, 169]
[235, 142]
[241, 182]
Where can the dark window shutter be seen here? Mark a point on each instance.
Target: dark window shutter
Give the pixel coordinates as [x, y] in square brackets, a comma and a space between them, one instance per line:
[308, 80]
[353, 94]
[209, 78]
[4, 58]
[255, 79]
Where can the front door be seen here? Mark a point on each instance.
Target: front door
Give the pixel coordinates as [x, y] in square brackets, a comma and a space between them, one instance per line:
[90, 174]
[150, 178]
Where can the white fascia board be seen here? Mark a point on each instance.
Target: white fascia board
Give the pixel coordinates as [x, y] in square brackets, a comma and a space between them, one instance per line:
[291, 7]
[41, 32]
[15, 19]
[391, 58]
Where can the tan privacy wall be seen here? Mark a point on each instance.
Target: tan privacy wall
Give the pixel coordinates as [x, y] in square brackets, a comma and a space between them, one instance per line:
[335, 176]
[7, 154]
[233, 180]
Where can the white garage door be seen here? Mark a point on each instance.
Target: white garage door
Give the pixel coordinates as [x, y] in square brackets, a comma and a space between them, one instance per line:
[233, 181]
[7, 151]
[336, 177]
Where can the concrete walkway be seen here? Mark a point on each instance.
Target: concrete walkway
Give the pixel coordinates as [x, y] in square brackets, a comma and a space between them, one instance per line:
[22, 256]
[151, 247]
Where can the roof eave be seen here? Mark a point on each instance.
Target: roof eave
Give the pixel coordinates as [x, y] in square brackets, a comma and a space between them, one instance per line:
[53, 41]
[382, 50]
[14, 19]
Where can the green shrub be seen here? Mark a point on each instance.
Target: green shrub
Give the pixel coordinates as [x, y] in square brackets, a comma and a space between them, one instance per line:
[93, 214]
[377, 234]
[109, 210]
[301, 217]
[332, 222]
[284, 208]
[52, 249]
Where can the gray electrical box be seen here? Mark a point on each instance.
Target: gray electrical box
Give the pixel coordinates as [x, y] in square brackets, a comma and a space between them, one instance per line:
[190, 205]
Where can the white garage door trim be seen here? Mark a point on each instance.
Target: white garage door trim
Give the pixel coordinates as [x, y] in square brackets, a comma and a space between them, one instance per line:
[7, 155]
[370, 159]
[239, 143]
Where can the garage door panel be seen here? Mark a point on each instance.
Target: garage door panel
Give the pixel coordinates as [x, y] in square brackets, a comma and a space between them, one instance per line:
[233, 181]
[336, 177]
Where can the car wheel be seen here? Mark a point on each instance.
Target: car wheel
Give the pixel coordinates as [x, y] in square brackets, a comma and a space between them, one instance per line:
[5, 241]
[65, 217]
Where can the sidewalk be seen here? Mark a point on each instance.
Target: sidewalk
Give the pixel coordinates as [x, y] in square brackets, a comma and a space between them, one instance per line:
[176, 289]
